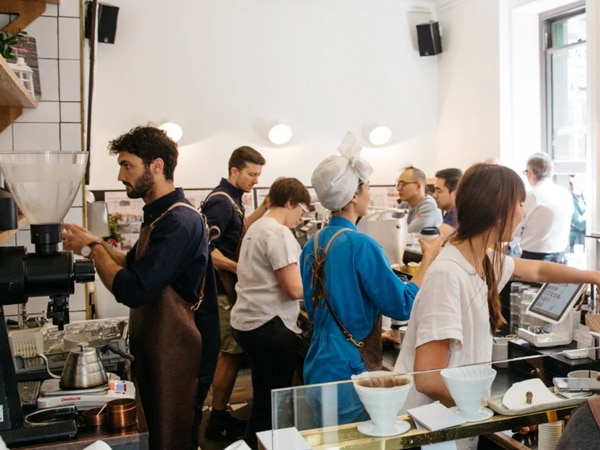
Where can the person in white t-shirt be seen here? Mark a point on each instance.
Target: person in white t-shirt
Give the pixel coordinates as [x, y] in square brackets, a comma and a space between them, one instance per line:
[457, 309]
[544, 233]
[268, 291]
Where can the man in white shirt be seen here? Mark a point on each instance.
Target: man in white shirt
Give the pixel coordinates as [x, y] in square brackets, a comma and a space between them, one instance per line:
[548, 207]
[422, 209]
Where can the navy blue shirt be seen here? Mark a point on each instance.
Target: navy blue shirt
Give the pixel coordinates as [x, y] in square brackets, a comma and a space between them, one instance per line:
[450, 217]
[177, 255]
[221, 213]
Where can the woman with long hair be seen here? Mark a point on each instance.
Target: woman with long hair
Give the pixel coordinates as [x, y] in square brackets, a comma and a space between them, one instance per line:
[457, 310]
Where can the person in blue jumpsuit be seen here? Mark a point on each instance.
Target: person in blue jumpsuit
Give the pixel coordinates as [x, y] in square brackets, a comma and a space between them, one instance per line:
[359, 281]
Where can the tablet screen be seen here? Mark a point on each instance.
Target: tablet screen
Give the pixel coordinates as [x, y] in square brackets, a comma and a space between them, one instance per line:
[554, 300]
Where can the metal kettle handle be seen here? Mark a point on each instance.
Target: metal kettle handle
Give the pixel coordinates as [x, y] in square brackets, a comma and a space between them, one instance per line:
[47, 364]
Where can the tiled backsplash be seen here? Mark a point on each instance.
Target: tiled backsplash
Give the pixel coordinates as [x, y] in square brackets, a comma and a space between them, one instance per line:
[56, 123]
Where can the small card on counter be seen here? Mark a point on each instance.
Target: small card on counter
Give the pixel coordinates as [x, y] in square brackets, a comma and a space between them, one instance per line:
[288, 438]
[435, 416]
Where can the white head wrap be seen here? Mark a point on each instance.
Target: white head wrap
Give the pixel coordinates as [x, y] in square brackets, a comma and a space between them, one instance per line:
[336, 179]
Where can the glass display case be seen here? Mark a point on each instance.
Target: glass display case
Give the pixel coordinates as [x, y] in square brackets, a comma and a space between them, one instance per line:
[332, 414]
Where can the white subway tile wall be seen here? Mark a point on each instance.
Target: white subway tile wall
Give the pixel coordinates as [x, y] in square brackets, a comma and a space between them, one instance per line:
[70, 137]
[45, 31]
[70, 112]
[70, 80]
[6, 140]
[56, 123]
[69, 8]
[68, 38]
[49, 78]
[36, 137]
[46, 112]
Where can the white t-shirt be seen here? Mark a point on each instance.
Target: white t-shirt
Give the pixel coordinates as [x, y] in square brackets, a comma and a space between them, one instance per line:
[547, 223]
[451, 304]
[267, 247]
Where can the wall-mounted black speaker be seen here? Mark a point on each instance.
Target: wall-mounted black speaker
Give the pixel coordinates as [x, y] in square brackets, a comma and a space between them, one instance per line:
[430, 42]
[106, 22]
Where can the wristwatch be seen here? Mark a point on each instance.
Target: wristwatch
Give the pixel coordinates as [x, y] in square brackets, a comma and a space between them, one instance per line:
[86, 250]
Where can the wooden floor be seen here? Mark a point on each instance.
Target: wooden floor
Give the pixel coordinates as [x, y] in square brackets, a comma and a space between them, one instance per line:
[239, 403]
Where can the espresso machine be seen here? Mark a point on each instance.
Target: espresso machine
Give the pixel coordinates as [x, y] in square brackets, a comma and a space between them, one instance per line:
[43, 186]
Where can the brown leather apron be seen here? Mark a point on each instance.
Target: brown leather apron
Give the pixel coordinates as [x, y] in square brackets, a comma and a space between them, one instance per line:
[166, 345]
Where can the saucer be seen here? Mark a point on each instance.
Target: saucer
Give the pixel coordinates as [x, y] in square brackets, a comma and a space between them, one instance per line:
[484, 414]
[400, 426]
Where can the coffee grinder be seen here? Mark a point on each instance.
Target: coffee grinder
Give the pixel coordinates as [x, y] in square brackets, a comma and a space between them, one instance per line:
[43, 185]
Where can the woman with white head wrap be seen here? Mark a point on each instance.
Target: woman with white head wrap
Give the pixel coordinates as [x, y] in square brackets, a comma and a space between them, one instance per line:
[359, 280]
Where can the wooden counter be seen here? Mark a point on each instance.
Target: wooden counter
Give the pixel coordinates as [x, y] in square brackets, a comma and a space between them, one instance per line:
[132, 438]
[346, 437]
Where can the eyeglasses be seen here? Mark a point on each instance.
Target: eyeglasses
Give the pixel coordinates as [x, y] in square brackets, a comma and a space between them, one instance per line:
[303, 207]
[401, 184]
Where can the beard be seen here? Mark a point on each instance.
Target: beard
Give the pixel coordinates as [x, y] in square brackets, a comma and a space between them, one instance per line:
[142, 186]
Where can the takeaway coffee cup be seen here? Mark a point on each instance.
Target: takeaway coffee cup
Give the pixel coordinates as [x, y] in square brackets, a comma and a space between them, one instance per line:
[429, 233]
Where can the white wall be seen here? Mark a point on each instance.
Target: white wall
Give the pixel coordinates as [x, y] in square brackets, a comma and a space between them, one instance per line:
[468, 83]
[221, 67]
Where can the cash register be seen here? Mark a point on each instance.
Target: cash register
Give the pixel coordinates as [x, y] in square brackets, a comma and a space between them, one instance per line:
[553, 304]
[546, 352]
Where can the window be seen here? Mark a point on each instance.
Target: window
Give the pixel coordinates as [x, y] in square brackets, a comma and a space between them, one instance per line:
[564, 110]
[565, 80]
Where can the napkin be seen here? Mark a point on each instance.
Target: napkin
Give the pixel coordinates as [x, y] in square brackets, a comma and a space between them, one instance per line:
[435, 416]
[98, 445]
[515, 398]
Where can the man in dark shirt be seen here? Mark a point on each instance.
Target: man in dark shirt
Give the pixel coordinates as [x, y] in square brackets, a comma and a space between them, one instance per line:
[224, 211]
[445, 184]
[162, 280]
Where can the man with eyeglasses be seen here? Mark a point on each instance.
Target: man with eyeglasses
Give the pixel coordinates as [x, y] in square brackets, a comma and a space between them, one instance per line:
[422, 209]
[544, 232]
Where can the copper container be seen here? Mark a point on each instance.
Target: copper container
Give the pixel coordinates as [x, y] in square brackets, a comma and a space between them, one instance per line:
[121, 413]
[93, 419]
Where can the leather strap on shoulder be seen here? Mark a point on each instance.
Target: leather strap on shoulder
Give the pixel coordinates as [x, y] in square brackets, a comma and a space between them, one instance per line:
[594, 403]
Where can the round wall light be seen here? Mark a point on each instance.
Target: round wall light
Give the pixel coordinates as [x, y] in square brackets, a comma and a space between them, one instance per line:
[380, 135]
[280, 134]
[173, 130]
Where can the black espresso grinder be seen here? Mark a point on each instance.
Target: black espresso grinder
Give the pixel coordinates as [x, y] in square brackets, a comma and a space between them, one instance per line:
[43, 185]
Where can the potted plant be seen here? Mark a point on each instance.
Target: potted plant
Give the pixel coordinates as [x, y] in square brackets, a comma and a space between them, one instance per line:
[8, 41]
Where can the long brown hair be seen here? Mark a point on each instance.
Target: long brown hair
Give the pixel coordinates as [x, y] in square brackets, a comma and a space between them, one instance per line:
[485, 201]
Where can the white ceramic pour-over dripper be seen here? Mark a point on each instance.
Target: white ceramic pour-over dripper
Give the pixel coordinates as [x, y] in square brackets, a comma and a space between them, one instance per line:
[383, 394]
[469, 387]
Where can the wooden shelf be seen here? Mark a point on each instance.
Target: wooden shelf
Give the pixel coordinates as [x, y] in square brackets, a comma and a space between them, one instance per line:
[26, 11]
[13, 95]
[6, 235]
[12, 91]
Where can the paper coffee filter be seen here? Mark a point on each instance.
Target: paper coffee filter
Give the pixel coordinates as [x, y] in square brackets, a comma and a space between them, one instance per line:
[516, 396]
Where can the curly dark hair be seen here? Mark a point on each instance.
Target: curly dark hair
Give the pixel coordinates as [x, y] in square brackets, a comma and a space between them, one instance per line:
[148, 143]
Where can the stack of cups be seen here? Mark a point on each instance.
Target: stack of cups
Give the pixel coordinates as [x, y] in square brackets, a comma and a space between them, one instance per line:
[549, 434]
[515, 306]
